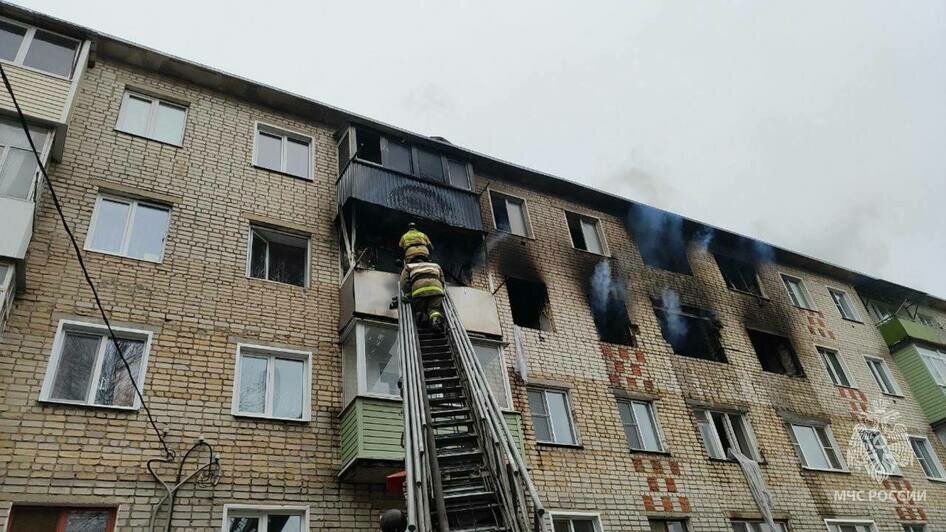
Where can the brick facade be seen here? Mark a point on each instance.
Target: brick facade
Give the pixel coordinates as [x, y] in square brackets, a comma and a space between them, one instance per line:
[200, 304]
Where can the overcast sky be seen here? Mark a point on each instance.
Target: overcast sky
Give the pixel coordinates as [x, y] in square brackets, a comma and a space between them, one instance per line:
[817, 126]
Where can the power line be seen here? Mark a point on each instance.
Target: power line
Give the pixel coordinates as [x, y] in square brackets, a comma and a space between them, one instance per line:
[85, 272]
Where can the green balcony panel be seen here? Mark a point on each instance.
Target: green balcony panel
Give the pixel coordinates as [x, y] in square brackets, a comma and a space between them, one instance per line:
[371, 438]
[930, 396]
[896, 330]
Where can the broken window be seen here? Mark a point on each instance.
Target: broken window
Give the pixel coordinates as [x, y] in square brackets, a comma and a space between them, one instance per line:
[586, 233]
[690, 331]
[740, 275]
[509, 214]
[278, 256]
[528, 301]
[775, 353]
[659, 238]
[722, 431]
[369, 146]
[606, 298]
[430, 165]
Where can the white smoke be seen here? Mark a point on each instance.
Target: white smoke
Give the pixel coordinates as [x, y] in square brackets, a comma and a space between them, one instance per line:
[676, 325]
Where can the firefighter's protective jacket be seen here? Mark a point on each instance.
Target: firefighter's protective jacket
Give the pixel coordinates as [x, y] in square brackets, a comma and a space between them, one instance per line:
[422, 279]
[415, 243]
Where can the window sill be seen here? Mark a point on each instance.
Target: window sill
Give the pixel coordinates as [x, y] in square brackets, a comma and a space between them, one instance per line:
[852, 320]
[527, 237]
[806, 309]
[592, 253]
[847, 387]
[38, 71]
[137, 136]
[59, 402]
[818, 470]
[937, 480]
[894, 395]
[277, 283]
[731, 461]
[280, 172]
[14, 198]
[261, 417]
[119, 255]
[653, 453]
[555, 445]
[743, 292]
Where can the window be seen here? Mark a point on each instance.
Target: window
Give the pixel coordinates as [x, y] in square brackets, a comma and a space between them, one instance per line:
[835, 367]
[283, 151]
[914, 527]
[430, 165]
[668, 525]
[371, 360]
[39, 49]
[690, 331]
[835, 525]
[56, 519]
[458, 174]
[927, 320]
[510, 214]
[640, 425]
[575, 523]
[85, 367]
[843, 302]
[586, 233]
[927, 458]
[935, 362]
[879, 310]
[722, 431]
[528, 301]
[878, 452]
[17, 162]
[551, 416]
[797, 292]
[816, 447]
[758, 526]
[659, 236]
[775, 353]
[265, 519]
[272, 383]
[740, 275]
[607, 292]
[400, 156]
[881, 372]
[278, 256]
[490, 356]
[128, 228]
[153, 118]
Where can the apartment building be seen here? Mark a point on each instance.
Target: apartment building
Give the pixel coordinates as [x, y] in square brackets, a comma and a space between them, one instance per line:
[243, 241]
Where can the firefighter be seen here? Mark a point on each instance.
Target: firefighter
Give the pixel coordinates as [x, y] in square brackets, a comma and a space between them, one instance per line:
[415, 243]
[422, 282]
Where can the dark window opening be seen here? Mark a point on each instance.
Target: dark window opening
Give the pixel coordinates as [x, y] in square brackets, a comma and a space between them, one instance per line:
[528, 301]
[671, 257]
[739, 275]
[430, 165]
[659, 236]
[369, 146]
[691, 332]
[278, 256]
[775, 353]
[606, 297]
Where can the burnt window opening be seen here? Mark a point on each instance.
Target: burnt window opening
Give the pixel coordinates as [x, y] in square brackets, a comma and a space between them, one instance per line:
[671, 256]
[528, 301]
[775, 353]
[740, 275]
[612, 322]
[369, 146]
[659, 236]
[691, 332]
[586, 233]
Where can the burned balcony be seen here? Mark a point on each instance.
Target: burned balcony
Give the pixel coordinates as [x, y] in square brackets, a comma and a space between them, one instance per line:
[389, 173]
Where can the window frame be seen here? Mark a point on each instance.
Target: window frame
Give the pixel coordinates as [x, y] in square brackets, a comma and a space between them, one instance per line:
[64, 512]
[44, 151]
[28, 36]
[568, 409]
[736, 262]
[850, 301]
[272, 353]
[122, 333]
[689, 312]
[794, 352]
[273, 130]
[667, 520]
[938, 464]
[804, 288]
[833, 524]
[571, 515]
[746, 423]
[155, 102]
[651, 406]
[133, 203]
[885, 368]
[526, 216]
[599, 230]
[912, 527]
[499, 345]
[357, 328]
[829, 434]
[928, 355]
[781, 524]
[287, 232]
[263, 510]
[848, 375]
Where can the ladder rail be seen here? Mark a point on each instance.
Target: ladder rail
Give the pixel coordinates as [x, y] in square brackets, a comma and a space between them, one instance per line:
[415, 442]
[516, 482]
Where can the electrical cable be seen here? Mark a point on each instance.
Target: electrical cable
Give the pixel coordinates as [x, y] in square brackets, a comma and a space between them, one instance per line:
[75, 246]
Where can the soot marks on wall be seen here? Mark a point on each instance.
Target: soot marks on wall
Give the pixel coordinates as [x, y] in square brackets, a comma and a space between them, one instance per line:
[660, 238]
[529, 301]
[607, 296]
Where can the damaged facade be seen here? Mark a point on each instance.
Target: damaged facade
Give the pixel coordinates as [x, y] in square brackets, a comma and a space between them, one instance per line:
[244, 243]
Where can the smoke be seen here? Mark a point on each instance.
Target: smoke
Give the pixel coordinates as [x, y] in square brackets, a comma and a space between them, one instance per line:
[601, 288]
[762, 251]
[653, 229]
[703, 238]
[606, 296]
[676, 325]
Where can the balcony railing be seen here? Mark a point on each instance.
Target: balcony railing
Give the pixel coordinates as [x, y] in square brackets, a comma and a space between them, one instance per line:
[380, 186]
[896, 329]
